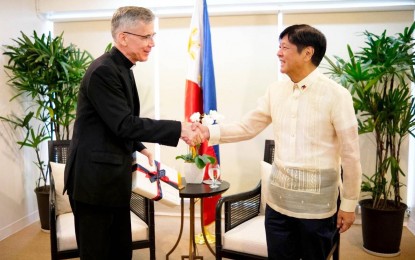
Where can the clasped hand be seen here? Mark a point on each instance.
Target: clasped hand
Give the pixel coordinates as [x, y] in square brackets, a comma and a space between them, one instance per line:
[194, 133]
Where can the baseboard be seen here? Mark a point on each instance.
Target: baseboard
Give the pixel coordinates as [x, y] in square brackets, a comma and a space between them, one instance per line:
[19, 225]
[411, 224]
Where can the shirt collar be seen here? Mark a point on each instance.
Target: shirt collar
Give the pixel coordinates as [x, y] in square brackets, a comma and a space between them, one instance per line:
[308, 81]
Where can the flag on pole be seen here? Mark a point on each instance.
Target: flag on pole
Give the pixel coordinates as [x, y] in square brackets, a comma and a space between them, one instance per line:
[200, 86]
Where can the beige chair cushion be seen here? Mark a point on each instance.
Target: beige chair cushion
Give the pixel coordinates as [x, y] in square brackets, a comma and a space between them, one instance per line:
[65, 230]
[248, 237]
[139, 228]
[62, 201]
[266, 169]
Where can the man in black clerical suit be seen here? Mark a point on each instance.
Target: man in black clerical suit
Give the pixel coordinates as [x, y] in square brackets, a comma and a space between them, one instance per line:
[108, 129]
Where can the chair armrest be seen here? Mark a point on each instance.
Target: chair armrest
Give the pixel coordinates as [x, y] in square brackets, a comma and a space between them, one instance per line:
[52, 203]
[239, 207]
[52, 218]
[144, 209]
[139, 206]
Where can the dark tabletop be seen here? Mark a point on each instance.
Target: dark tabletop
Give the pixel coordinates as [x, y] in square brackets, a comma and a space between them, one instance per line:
[202, 190]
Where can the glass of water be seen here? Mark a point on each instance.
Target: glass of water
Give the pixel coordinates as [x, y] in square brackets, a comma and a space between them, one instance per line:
[214, 174]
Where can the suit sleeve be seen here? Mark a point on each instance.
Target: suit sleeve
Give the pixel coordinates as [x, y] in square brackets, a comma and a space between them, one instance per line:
[107, 92]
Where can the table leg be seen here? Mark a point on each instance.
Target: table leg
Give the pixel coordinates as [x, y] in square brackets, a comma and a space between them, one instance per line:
[192, 243]
[181, 229]
[203, 230]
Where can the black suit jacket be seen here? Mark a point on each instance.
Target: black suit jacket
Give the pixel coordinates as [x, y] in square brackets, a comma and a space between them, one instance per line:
[107, 130]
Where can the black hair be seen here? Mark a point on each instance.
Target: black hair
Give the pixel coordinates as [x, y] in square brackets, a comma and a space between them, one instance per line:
[302, 36]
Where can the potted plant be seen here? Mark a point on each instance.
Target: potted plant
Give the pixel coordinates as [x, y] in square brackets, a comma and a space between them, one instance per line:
[379, 75]
[195, 160]
[47, 74]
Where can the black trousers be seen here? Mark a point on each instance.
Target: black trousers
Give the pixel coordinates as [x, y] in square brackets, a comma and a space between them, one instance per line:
[291, 238]
[102, 233]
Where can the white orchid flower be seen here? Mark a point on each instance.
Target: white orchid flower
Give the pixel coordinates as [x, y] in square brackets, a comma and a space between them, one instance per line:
[208, 120]
[195, 117]
[216, 116]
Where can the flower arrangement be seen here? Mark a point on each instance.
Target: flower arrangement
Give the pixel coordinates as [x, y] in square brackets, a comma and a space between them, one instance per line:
[193, 156]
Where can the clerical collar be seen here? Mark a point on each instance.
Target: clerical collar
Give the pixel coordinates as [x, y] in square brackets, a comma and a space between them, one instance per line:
[121, 58]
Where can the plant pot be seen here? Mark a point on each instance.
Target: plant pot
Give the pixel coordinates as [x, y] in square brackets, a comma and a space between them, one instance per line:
[382, 229]
[192, 174]
[42, 195]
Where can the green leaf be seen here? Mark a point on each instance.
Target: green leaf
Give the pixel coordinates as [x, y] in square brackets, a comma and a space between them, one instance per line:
[378, 75]
[44, 71]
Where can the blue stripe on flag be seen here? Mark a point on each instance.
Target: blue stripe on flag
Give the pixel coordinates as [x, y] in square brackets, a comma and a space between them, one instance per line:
[208, 73]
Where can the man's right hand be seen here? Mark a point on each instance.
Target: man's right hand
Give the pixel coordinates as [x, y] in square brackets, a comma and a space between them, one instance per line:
[191, 134]
[204, 130]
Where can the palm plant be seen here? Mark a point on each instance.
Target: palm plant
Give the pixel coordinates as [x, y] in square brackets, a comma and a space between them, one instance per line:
[47, 74]
[379, 76]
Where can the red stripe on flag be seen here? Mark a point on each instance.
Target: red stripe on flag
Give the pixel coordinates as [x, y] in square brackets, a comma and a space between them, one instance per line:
[192, 99]
[209, 209]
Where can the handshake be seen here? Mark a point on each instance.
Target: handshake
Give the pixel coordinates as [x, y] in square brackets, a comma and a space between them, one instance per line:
[194, 133]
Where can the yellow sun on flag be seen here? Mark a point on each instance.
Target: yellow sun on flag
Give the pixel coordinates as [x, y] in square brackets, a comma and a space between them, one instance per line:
[193, 46]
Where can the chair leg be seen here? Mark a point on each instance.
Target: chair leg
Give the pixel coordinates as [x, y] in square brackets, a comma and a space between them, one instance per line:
[218, 256]
[152, 253]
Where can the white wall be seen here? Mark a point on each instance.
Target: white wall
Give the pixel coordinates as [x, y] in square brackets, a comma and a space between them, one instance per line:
[244, 53]
[17, 172]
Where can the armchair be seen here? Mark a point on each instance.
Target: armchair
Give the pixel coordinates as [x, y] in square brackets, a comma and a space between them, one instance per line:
[244, 236]
[62, 230]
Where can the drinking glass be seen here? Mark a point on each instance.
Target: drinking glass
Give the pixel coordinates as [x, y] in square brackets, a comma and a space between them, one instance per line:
[214, 174]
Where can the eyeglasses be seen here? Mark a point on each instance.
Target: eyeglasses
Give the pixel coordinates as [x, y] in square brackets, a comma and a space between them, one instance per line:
[143, 37]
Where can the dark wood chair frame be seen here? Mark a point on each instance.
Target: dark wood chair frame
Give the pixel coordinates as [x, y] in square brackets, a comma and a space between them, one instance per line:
[139, 205]
[241, 207]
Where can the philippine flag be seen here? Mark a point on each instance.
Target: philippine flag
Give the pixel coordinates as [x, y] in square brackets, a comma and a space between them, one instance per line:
[200, 86]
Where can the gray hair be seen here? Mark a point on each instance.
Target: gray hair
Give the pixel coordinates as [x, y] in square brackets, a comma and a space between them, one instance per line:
[127, 17]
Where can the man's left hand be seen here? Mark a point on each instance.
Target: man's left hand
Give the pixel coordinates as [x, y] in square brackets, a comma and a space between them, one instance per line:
[345, 220]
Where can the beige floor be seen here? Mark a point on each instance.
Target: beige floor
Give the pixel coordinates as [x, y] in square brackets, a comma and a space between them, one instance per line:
[33, 244]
